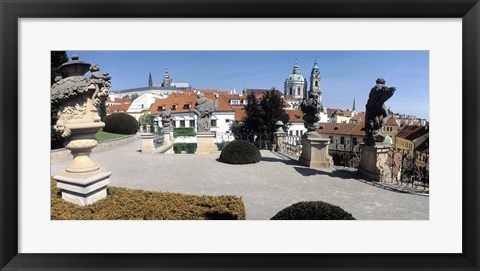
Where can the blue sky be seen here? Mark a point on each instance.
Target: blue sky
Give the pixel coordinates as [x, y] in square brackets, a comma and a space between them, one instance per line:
[345, 75]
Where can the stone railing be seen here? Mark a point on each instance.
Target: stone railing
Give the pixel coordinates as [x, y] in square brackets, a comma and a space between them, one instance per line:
[63, 153]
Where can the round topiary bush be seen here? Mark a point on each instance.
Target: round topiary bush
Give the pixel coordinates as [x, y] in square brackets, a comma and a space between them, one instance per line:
[313, 210]
[240, 152]
[120, 123]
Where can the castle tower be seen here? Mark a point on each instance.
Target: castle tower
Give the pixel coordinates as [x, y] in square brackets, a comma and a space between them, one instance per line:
[295, 85]
[167, 80]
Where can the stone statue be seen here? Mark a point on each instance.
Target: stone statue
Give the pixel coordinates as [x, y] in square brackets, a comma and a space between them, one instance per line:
[311, 108]
[166, 118]
[376, 112]
[204, 109]
[102, 83]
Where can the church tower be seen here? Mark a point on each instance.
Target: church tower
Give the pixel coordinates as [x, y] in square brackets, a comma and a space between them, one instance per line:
[167, 80]
[315, 81]
[150, 81]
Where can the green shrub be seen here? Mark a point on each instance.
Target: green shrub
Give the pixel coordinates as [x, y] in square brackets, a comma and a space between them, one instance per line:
[121, 123]
[313, 210]
[240, 152]
[179, 147]
[187, 131]
[131, 204]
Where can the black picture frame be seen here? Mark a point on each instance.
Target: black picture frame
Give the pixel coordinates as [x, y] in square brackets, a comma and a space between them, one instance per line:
[11, 11]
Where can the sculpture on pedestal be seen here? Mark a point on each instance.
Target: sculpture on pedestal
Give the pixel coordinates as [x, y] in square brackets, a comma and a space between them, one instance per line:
[77, 98]
[204, 109]
[376, 112]
[166, 118]
[311, 108]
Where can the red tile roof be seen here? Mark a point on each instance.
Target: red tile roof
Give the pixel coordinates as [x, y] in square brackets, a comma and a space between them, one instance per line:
[412, 132]
[118, 108]
[341, 112]
[359, 117]
[295, 115]
[338, 128]
[188, 98]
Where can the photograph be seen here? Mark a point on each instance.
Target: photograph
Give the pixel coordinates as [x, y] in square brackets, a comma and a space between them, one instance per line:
[240, 135]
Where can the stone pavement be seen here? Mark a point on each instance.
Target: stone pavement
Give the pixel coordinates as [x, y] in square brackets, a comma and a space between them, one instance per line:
[266, 187]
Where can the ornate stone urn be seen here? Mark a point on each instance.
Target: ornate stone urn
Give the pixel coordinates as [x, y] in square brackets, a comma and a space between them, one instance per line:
[77, 97]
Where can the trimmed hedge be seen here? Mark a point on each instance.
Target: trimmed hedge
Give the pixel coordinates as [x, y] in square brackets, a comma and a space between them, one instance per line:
[187, 131]
[240, 152]
[179, 147]
[313, 210]
[120, 123]
[131, 204]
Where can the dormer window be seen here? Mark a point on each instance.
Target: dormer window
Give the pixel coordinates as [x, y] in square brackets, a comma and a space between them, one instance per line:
[187, 106]
[161, 108]
[173, 107]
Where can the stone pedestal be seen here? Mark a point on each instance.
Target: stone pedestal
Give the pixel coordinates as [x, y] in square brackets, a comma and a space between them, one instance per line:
[147, 143]
[206, 143]
[279, 139]
[83, 188]
[83, 182]
[315, 151]
[374, 162]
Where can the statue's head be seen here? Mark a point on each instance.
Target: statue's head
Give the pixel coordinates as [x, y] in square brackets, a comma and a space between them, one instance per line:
[380, 81]
[94, 68]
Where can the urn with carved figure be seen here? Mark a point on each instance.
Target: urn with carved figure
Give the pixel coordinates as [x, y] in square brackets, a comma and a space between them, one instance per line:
[77, 98]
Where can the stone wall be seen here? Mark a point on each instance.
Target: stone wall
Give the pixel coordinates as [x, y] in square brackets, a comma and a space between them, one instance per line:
[62, 154]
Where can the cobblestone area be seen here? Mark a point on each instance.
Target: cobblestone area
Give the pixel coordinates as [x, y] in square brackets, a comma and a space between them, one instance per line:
[267, 187]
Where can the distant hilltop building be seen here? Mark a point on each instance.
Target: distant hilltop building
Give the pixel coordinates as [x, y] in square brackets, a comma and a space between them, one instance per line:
[165, 88]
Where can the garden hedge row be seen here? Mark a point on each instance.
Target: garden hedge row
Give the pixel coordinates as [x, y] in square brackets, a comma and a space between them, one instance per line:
[130, 204]
[179, 147]
[121, 123]
[313, 210]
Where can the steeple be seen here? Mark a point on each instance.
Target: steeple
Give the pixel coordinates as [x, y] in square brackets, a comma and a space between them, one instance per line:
[167, 80]
[150, 82]
[353, 108]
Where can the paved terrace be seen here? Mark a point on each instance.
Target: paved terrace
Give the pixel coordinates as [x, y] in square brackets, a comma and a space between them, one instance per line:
[266, 187]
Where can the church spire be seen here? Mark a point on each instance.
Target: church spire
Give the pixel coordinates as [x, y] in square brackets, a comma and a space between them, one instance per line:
[353, 108]
[150, 81]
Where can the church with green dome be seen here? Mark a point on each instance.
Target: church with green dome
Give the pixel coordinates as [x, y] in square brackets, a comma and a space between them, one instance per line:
[296, 84]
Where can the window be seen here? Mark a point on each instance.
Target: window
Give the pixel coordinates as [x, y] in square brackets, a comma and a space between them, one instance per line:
[354, 141]
[331, 139]
[297, 133]
[214, 123]
[173, 107]
[182, 123]
[192, 123]
[316, 83]
[227, 121]
[291, 91]
[234, 102]
[161, 108]
[186, 106]
[342, 140]
[174, 124]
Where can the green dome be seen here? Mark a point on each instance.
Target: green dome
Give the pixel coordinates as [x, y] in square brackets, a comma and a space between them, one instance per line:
[296, 77]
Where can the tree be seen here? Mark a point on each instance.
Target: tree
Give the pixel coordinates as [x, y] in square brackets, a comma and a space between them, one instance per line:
[126, 97]
[102, 108]
[134, 96]
[262, 115]
[57, 58]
